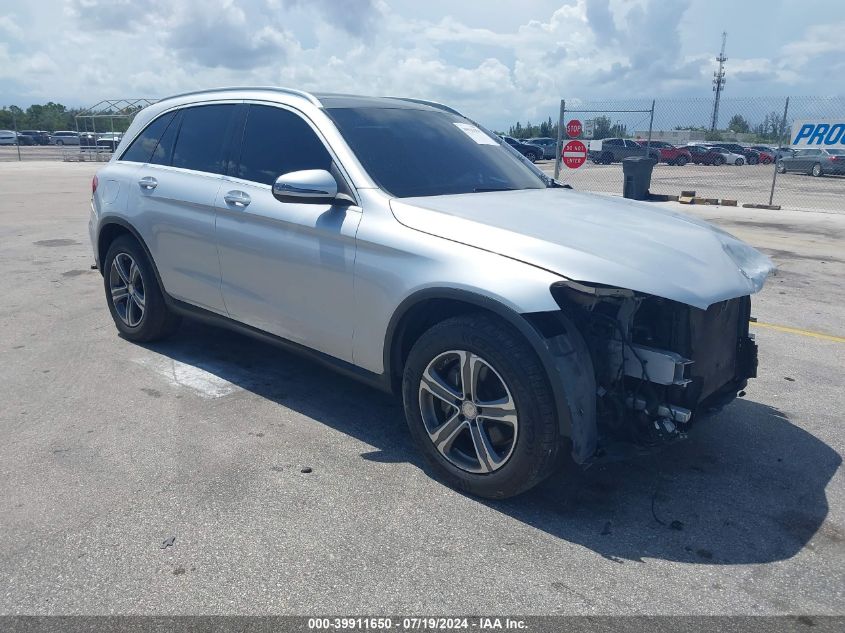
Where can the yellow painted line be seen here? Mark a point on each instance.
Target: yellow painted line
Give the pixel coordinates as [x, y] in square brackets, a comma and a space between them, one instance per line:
[795, 330]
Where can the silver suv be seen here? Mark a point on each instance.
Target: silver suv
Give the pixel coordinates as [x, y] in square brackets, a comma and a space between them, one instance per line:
[407, 246]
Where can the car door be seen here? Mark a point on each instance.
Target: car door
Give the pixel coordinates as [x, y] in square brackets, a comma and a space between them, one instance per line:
[173, 198]
[287, 267]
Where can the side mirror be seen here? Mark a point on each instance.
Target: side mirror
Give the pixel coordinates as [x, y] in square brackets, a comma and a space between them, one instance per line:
[306, 186]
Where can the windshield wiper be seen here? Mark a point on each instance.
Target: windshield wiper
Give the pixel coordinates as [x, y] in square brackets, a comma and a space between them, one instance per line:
[486, 189]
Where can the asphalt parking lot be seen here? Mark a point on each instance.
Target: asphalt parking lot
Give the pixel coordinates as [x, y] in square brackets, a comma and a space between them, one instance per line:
[746, 183]
[108, 448]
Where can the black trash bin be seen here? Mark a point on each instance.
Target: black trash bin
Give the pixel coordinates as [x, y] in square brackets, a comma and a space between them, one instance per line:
[636, 171]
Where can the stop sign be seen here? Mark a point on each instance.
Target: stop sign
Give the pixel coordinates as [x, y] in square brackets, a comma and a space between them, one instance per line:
[574, 154]
[573, 128]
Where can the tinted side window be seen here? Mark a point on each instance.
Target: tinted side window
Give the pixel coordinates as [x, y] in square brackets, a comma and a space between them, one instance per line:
[613, 141]
[143, 146]
[276, 142]
[202, 138]
[163, 153]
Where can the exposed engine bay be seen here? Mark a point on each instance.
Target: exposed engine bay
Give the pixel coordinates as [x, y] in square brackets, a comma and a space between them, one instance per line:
[657, 364]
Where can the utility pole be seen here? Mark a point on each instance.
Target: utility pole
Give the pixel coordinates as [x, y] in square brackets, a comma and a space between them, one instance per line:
[719, 83]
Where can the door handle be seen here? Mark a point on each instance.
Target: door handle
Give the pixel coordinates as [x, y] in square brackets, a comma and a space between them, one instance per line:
[148, 182]
[238, 199]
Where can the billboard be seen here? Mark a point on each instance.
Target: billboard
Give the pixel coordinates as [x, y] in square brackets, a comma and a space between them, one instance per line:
[824, 133]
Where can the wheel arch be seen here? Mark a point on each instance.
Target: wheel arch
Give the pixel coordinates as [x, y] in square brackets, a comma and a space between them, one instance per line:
[425, 308]
[113, 227]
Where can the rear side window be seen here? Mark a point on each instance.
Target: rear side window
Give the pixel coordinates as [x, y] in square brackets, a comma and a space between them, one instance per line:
[277, 141]
[201, 142]
[144, 146]
[163, 153]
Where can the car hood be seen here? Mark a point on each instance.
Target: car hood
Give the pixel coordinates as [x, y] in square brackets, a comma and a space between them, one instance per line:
[596, 239]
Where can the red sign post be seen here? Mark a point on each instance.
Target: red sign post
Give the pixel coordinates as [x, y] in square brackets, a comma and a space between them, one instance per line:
[573, 128]
[574, 154]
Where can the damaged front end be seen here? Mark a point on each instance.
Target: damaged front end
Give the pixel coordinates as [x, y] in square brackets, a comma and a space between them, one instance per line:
[656, 364]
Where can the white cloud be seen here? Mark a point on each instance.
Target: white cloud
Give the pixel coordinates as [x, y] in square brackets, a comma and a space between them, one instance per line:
[494, 70]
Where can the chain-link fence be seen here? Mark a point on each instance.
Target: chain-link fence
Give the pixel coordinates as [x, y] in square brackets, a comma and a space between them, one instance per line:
[737, 160]
[89, 134]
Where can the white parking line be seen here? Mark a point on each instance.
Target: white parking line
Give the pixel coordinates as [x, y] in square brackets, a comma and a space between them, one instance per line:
[179, 374]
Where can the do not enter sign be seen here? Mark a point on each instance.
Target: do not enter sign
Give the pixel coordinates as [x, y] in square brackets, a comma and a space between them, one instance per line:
[573, 128]
[574, 154]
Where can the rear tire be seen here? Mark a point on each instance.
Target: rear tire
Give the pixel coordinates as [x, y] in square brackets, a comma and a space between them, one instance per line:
[480, 455]
[780, 167]
[531, 156]
[133, 294]
[680, 161]
[817, 170]
[719, 160]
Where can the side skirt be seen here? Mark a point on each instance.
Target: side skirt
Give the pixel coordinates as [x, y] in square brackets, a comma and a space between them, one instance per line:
[378, 381]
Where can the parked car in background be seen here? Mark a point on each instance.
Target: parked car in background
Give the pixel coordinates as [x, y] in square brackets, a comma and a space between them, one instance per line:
[531, 152]
[817, 162]
[613, 150]
[705, 155]
[109, 140]
[549, 145]
[8, 137]
[750, 156]
[404, 245]
[41, 137]
[780, 152]
[767, 154]
[87, 139]
[65, 137]
[731, 158]
[669, 153]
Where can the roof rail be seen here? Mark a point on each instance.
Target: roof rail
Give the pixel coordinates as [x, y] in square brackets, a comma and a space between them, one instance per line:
[433, 104]
[290, 91]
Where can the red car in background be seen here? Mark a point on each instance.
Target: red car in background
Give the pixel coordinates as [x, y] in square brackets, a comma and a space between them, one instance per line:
[767, 154]
[669, 153]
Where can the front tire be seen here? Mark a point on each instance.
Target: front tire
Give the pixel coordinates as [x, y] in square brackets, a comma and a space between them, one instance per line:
[480, 407]
[816, 170]
[781, 167]
[719, 160]
[531, 156]
[134, 297]
[681, 160]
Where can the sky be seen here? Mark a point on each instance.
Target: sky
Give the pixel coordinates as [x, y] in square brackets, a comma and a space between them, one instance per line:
[496, 61]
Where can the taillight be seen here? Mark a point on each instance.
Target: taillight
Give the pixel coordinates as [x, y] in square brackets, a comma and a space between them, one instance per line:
[94, 183]
[837, 158]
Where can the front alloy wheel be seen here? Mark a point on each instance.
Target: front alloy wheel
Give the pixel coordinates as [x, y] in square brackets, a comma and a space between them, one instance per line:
[127, 289]
[468, 411]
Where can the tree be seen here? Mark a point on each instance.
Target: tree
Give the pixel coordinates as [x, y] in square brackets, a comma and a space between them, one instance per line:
[739, 124]
[602, 127]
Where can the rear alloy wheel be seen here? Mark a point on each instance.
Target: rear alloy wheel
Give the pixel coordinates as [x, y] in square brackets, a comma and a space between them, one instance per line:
[480, 407]
[817, 170]
[681, 160]
[134, 297]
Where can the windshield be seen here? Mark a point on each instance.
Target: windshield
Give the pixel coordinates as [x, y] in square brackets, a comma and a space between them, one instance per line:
[410, 152]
